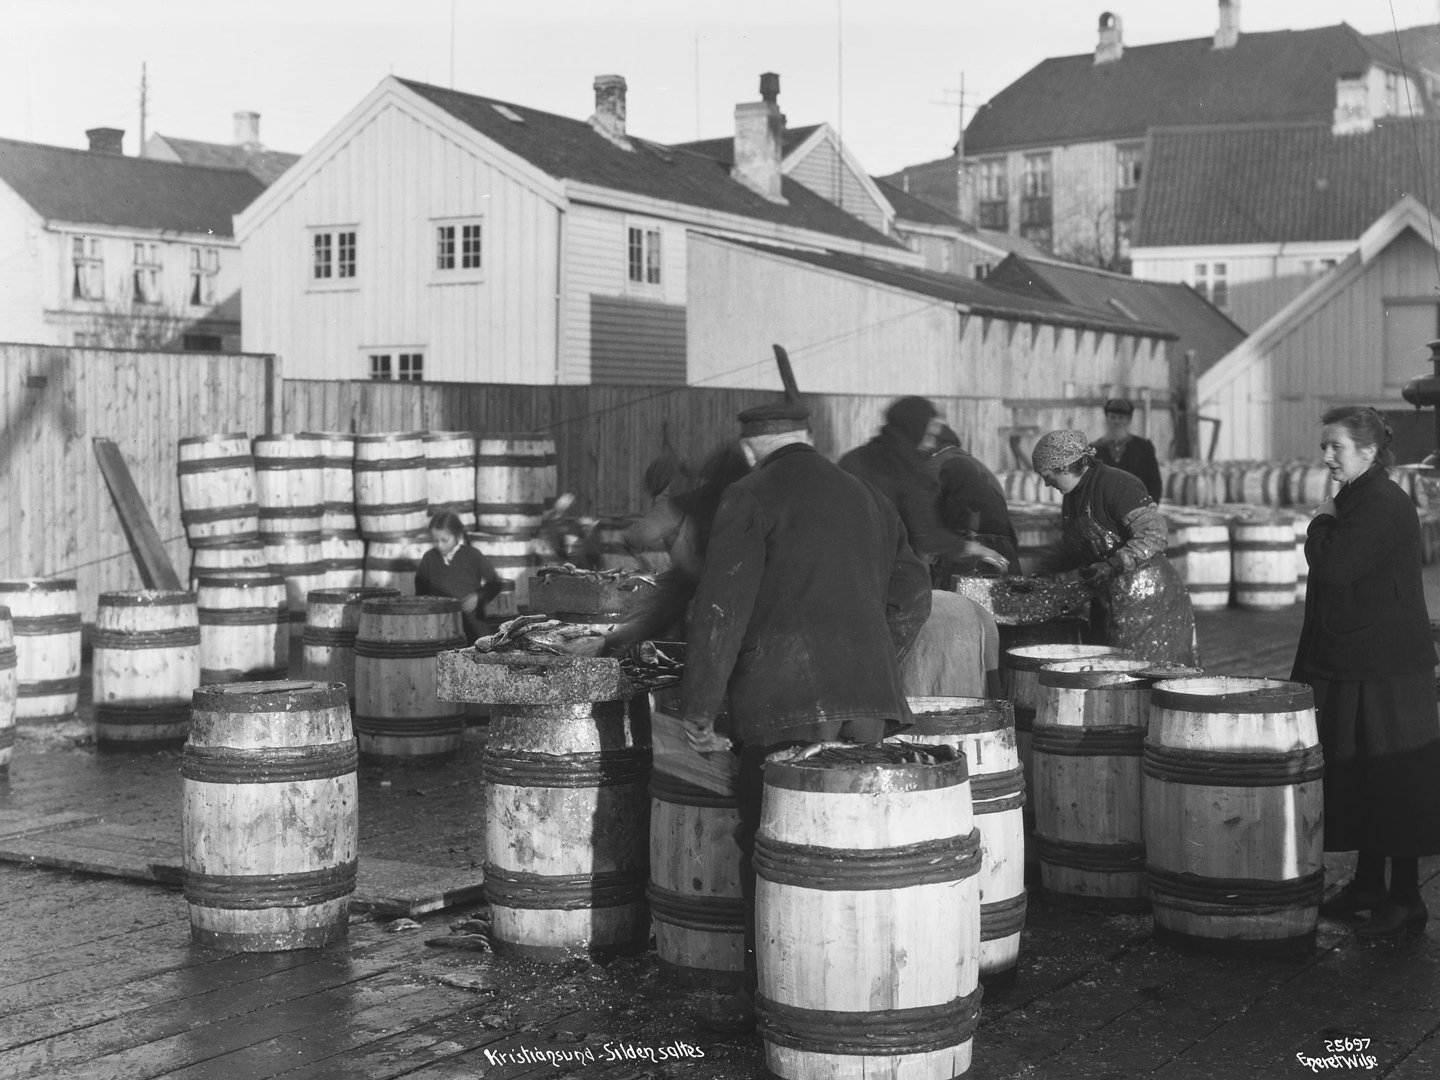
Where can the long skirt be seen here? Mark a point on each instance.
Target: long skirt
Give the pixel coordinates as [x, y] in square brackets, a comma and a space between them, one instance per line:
[1381, 740]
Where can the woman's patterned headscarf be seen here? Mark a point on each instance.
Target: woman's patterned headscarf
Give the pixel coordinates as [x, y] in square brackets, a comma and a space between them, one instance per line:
[1058, 449]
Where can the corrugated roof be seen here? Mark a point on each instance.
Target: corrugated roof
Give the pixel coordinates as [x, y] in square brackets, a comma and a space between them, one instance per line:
[1282, 75]
[88, 188]
[724, 149]
[573, 150]
[266, 165]
[1199, 324]
[1280, 183]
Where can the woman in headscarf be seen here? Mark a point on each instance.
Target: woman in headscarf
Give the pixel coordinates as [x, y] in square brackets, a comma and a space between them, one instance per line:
[1115, 537]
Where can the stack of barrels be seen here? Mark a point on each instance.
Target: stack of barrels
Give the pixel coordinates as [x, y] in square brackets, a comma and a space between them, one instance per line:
[289, 483]
[515, 485]
[1251, 556]
[393, 507]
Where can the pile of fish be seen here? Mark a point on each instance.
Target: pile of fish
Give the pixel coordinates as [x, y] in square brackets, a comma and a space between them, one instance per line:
[535, 634]
[1025, 601]
[623, 577]
[654, 665]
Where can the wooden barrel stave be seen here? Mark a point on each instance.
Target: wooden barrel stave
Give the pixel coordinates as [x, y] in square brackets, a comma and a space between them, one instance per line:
[9, 688]
[1207, 566]
[398, 713]
[145, 665]
[392, 561]
[515, 481]
[244, 629]
[390, 495]
[332, 621]
[450, 474]
[337, 480]
[514, 558]
[217, 489]
[343, 553]
[299, 558]
[289, 478]
[243, 559]
[45, 622]
[1263, 564]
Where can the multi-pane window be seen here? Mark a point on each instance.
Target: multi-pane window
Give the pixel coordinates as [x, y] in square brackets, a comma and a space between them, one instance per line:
[204, 268]
[147, 274]
[993, 180]
[333, 255]
[1211, 280]
[345, 254]
[412, 367]
[644, 255]
[406, 366]
[1128, 162]
[88, 268]
[457, 247]
[1036, 177]
[380, 366]
[323, 266]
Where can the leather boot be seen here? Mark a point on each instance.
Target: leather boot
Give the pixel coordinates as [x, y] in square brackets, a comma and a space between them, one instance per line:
[1391, 919]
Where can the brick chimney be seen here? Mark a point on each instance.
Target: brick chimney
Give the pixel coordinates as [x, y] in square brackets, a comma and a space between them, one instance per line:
[247, 130]
[1110, 47]
[760, 140]
[1227, 33]
[609, 118]
[105, 140]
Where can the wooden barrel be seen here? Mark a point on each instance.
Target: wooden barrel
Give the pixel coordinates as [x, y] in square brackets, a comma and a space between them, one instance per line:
[1176, 543]
[1035, 537]
[243, 559]
[45, 619]
[1090, 724]
[397, 711]
[390, 484]
[289, 471]
[217, 489]
[1262, 557]
[343, 553]
[1207, 566]
[450, 474]
[145, 665]
[299, 558]
[244, 629]
[1301, 525]
[566, 829]
[337, 479]
[985, 731]
[9, 688]
[391, 562]
[269, 816]
[1233, 814]
[867, 913]
[514, 558]
[515, 481]
[332, 620]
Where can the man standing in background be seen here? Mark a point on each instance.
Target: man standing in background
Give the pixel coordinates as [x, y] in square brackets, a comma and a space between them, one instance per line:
[1121, 449]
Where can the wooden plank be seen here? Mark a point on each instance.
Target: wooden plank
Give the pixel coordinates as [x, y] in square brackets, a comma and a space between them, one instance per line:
[387, 887]
[150, 558]
[674, 758]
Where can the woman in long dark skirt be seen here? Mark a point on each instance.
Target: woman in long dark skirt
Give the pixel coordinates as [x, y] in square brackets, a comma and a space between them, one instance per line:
[1366, 650]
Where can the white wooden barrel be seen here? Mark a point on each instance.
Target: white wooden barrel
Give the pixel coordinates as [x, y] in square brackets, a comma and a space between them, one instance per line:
[145, 665]
[299, 558]
[269, 816]
[1311, 484]
[343, 554]
[1262, 555]
[397, 711]
[984, 730]
[244, 629]
[332, 620]
[1301, 525]
[1090, 724]
[391, 561]
[450, 474]
[390, 497]
[45, 619]
[9, 688]
[515, 481]
[217, 489]
[337, 479]
[514, 558]
[1207, 566]
[289, 471]
[867, 913]
[245, 558]
[1233, 814]
[567, 816]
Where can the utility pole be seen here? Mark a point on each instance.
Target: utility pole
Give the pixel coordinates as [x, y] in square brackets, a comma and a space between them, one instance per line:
[960, 157]
[142, 108]
[452, 44]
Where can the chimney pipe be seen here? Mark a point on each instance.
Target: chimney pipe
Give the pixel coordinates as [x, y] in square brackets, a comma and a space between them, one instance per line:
[609, 118]
[247, 130]
[1228, 31]
[1109, 47]
[760, 140]
[106, 140]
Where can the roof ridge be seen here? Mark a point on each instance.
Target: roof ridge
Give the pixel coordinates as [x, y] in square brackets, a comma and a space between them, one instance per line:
[147, 161]
[1190, 40]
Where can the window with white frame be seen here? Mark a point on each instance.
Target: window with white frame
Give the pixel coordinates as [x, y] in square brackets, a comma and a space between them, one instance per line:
[1212, 281]
[644, 255]
[204, 269]
[146, 274]
[397, 366]
[993, 180]
[1129, 160]
[1036, 178]
[88, 268]
[332, 254]
[457, 245]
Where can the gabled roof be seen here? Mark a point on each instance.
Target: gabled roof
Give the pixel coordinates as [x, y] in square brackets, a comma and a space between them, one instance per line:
[1279, 75]
[932, 182]
[911, 210]
[1199, 324]
[1274, 183]
[265, 165]
[83, 187]
[572, 150]
[723, 150]
[1418, 47]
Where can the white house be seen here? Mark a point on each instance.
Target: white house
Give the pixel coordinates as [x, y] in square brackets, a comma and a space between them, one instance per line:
[103, 249]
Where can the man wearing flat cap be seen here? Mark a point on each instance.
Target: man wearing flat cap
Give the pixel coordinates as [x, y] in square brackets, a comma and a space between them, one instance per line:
[809, 593]
[1121, 449]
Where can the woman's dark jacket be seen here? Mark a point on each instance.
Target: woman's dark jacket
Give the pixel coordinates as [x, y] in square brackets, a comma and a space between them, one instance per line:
[1365, 615]
[468, 571]
[809, 592]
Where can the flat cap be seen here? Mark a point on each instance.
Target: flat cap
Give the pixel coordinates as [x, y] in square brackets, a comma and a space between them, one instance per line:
[774, 417]
[1120, 405]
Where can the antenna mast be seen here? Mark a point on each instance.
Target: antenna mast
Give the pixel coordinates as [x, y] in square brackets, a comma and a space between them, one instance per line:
[142, 108]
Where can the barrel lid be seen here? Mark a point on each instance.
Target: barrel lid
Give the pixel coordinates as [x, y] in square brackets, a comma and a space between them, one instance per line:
[1232, 694]
[1093, 672]
[349, 596]
[410, 605]
[147, 598]
[224, 436]
[1034, 657]
[20, 585]
[866, 769]
[279, 695]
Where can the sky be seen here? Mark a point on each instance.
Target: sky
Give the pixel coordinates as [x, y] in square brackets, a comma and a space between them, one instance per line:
[887, 72]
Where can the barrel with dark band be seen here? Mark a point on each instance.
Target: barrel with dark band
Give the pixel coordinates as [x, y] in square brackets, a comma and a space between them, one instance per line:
[398, 713]
[9, 688]
[299, 558]
[217, 489]
[1234, 814]
[1263, 564]
[269, 817]
[145, 666]
[343, 554]
[515, 481]
[867, 913]
[45, 619]
[566, 826]
[450, 474]
[337, 479]
[1207, 566]
[392, 561]
[244, 629]
[1301, 527]
[245, 558]
[514, 558]
[332, 621]
[984, 730]
[289, 471]
[390, 497]
[1089, 729]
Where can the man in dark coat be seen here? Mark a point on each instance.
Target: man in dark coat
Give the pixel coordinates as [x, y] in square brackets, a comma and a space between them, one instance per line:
[971, 501]
[809, 594]
[1123, 450]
